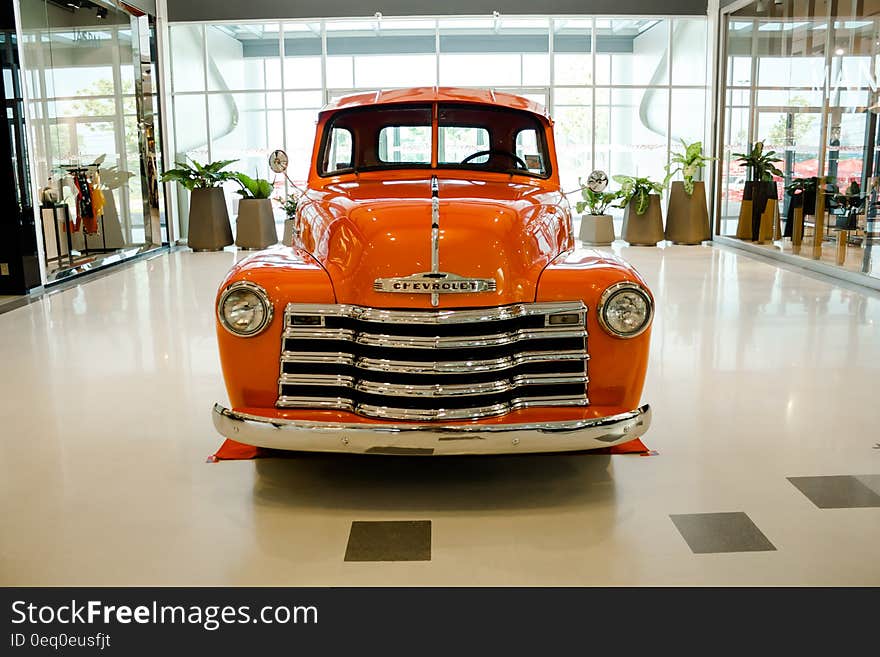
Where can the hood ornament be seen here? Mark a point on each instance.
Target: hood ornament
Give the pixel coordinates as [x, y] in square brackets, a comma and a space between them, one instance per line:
[434, 282]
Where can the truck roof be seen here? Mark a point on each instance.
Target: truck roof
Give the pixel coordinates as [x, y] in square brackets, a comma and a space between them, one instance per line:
[436, 94]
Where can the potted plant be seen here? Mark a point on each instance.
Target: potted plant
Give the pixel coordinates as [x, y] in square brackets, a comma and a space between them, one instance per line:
[758, 210]
[642, 217]
[209, 228]
[255, 226]
[687, 217]
[596, 227]
[847, 208]
[802, 202]
[288, 204]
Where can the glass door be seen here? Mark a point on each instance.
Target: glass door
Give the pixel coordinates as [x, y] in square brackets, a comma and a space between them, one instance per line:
[93, 108]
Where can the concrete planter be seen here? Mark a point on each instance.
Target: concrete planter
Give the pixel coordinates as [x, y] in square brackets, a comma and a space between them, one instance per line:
[596, 229]
[209, 228]
[643, 229]
[687, 217]
[255, 226]
[289, 231]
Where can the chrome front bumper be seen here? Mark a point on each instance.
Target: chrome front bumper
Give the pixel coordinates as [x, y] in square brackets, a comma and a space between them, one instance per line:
[431, 439]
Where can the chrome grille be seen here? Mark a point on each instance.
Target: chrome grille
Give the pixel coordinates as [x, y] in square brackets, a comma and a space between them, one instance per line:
[433, 364]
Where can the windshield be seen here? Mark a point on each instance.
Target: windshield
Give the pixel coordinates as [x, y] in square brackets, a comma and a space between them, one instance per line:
[472, 137]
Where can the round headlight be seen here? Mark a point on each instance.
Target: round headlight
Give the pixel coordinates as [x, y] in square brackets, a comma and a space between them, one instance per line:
[625, 310]
[244, 309]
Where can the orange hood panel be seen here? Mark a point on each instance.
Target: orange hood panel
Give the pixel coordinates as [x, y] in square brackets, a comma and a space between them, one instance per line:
[361, 231]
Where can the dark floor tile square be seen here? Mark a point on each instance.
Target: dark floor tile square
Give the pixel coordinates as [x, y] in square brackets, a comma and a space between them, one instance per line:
[395, 540]
[837, 491]
[707, 533]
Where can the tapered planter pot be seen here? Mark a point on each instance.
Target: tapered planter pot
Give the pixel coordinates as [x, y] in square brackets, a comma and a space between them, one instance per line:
[289, 231]
[758, 214]
[799, 206]
[643, 229]
[687, 218]
[209, 228]
[255, 226]
[596, 229]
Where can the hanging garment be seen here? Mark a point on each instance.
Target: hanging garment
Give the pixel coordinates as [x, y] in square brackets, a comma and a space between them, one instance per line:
[85, 209]
[72, 225]
[97, 196]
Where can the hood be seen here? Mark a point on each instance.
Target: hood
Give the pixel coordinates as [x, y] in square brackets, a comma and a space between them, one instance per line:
[363, 231]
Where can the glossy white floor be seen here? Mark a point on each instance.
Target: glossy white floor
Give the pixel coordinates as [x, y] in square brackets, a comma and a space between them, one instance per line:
[757, 374]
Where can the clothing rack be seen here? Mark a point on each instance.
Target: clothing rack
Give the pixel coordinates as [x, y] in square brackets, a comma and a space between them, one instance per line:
[74, 169]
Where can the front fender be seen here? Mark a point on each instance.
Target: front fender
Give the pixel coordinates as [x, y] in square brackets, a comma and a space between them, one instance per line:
[251, 365]
[617, 366]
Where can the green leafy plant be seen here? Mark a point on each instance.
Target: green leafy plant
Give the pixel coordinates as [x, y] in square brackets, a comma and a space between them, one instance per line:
[199, 176]
[597, 202]
[849, 206]
[760, 165]
[638, 190]
[253, 187]
[800, 185]
[690, 162]
[288, 204]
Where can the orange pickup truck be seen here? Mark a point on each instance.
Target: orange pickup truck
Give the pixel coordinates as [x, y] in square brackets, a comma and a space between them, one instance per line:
[433, 299]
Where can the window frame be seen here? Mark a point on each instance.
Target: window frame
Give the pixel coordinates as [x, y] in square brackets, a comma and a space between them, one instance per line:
[539, 126]
[325, 152]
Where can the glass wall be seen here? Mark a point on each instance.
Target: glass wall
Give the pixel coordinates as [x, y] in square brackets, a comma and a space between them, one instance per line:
[621, 91]
[92, 110]
[801, 78]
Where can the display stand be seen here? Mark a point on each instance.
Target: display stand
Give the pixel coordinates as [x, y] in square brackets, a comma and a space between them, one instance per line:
[72, 170]
[54, 208]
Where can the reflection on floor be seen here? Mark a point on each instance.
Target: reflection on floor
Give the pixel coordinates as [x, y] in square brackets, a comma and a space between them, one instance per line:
[758, 374]
[852, 257]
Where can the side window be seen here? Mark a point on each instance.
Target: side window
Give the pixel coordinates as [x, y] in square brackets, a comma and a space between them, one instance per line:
[456, 143]
[528, 148]
[339, 151]
[406, 144]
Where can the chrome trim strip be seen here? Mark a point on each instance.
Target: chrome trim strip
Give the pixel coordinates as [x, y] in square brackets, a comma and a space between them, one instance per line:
[445, 316]
[300, 333]
[432, 415]
[436, 391]
[431, 367]
[335, 380]
[319, 403]
[466, 366]
[609, 294]
[433, 342]
[437, 439]
[268, 308]
[435, 233]
[318, 358]
[429, 414]
[440, 391]
[464, 342]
